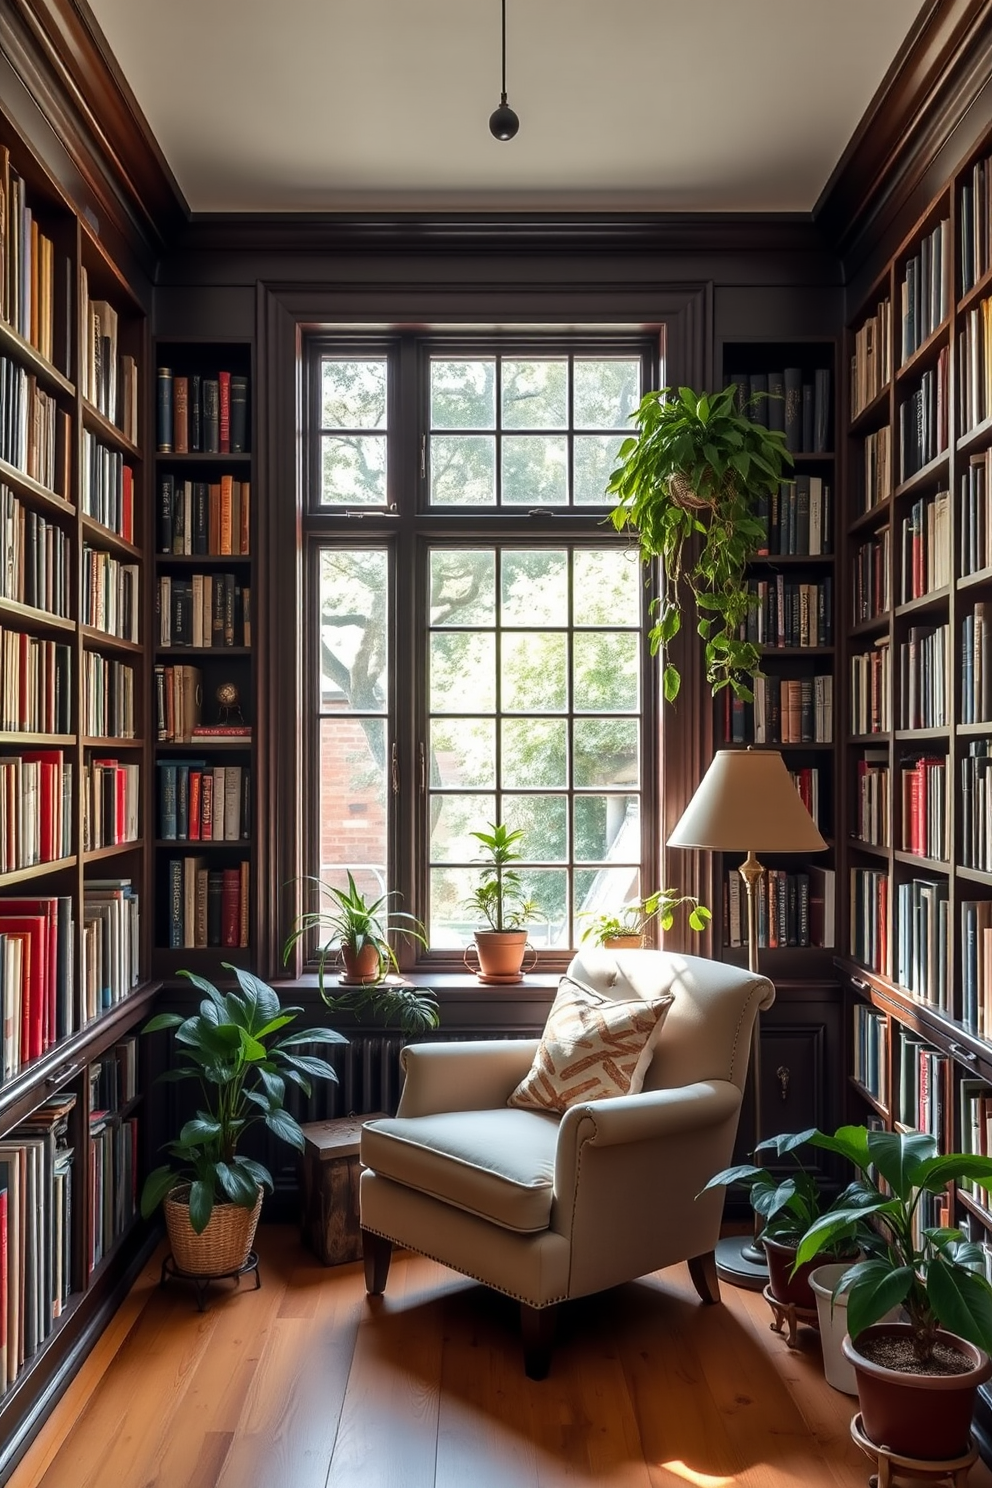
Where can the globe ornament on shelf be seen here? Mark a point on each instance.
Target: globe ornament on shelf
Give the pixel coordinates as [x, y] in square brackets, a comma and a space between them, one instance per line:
[229, 705]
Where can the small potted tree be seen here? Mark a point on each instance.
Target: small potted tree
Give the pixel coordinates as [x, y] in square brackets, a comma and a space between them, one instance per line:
[624, 929]
[502, 902]
[688, 484]
[916, 1380]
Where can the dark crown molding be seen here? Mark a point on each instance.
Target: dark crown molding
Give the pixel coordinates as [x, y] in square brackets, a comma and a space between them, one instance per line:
[935, 78]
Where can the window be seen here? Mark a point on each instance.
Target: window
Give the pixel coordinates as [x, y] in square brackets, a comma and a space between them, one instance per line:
[476, 629]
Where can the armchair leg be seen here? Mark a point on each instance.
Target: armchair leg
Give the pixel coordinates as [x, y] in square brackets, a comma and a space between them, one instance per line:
[537, 1324]
[702, 1269]
[376, 1253]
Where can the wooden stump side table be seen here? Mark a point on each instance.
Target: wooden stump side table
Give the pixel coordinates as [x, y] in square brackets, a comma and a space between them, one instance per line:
[329, 1222]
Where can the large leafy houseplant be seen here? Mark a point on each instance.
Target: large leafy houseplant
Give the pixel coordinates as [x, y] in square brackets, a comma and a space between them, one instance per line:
[236, 1048]
[688, 484]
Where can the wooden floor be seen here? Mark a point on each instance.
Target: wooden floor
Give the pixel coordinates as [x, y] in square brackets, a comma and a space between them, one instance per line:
[305, 1384]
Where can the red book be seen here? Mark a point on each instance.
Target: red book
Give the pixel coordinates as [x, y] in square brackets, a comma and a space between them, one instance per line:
[127, 504]
[230, 907]
[50, 800]
[243, 904]
[3, 1287]
[207, 807]
[224, 385]
[180, 415]
[34, 1006]
[194, 807]
[49, 909]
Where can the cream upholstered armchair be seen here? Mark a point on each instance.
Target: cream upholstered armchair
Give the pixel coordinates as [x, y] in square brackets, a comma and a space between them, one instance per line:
[544, 1207]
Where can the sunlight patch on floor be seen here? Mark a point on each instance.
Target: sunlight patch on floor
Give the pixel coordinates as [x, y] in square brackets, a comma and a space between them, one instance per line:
[698, 1479]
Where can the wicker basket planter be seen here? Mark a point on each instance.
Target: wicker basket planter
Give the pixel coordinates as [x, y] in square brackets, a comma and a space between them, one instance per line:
[226, 1242]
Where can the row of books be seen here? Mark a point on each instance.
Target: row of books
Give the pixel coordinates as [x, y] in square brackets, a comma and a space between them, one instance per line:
[871, 361]
[976, 664]
[110, 944]
[923, 420]
[113, 1180]
[870, 594]
[925, 546]
[108, 697]
[922, 911]
[36, 960]
[872, 798]
[973, 226]
[114, 1078]
[207, 907]
[871, 689]
[35, 684]
[35, 564]
[869, 907]
[924, 290]
[974, 1130]
[976, 966]
[178, 702]
[36, 794]
[794, 401]
[198, 802]
[807, 783]
[27, 265]
[871, 1051]
[207, 609]
[797, 518]
[36, 1202]
[199, 519]
[35, 433]
[784, 710]
[784, 613]
[198, 414]
[976, 807]
[109, 377]
[924, 693]
[922, 1071]
[975, 526]
[925, 817]
[974, 351]
[111, 801]
[109, 594]
[876, 469]
[106, 487]
[794, 909]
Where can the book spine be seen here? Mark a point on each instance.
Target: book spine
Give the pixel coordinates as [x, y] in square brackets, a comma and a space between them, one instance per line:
[164, 411]
[224, 412]
[239, 414]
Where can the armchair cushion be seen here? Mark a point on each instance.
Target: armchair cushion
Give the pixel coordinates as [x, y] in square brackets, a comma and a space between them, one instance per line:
[593, 1047]
[498, 1165]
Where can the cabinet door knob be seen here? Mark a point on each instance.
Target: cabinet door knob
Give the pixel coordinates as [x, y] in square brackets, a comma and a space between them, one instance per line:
[784, 1076]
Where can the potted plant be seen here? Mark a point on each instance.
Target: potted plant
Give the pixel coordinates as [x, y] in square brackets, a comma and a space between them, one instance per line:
[239, 1052]
[355, 928]
[787, 1209]
[689, 485]
[625, 928]
[916, 1380]
[502, 901]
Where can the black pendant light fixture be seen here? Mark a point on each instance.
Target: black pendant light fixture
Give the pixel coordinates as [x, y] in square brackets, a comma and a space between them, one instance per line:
[503, 122]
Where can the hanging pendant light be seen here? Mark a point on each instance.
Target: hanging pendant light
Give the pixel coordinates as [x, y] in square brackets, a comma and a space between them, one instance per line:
[503, 122]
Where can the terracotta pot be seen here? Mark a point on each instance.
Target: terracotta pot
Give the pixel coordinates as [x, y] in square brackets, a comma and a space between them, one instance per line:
[225, 1244]
[917, 1415]
[501, 953]
[623, 943]
[361, 966]
[784, 1286]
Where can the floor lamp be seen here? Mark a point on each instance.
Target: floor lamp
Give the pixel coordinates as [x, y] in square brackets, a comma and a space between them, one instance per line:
[746, 802]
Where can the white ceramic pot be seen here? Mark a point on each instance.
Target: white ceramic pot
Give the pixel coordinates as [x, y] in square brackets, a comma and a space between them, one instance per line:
[833, 1325]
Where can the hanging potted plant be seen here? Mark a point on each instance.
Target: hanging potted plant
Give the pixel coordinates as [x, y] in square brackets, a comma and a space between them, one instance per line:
[502, 902]
[625, 929]
[916, 1380]
[688, 484]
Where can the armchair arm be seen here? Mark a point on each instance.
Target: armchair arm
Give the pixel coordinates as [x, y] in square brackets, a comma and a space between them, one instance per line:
[462, 1076]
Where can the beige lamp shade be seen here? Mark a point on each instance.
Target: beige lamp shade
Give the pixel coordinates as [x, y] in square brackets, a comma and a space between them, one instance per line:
[746, 802]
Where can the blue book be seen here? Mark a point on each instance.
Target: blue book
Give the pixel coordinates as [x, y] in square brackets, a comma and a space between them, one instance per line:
[167, 800]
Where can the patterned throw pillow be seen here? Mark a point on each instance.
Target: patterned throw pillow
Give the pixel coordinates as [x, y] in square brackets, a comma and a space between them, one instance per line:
[592, 1047]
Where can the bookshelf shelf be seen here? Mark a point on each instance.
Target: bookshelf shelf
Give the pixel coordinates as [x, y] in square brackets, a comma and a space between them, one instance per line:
[108, 539]
[935, 600]
[102, 640]
[865, 1094]
[875, 516]
[26, 486]
[873, 413]
[933, 470]
[202, 457]
[109, 432]
[926, 355]
[14, 345]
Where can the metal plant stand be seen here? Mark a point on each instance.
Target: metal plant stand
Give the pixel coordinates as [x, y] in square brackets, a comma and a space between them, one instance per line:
[791, 1314]
[201, 1283]
[953, 1471]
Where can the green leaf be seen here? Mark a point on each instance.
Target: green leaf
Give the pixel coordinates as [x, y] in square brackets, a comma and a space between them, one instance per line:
[163, 1020]
[672, 682]
[201, 1205]
[157, 1185]
[879, 1288]
[744, 1173]
[935, 1173]
[202, 1129]
[256, 1172]
[962, 1301]
[260, 1000]
[897, 1155]
[785, 1143]
[835, 1225]
[283, 1125]
[239, 1186]
[310, 1036]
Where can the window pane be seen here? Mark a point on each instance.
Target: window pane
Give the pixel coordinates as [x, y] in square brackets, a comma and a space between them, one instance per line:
[463, 470]
[533, 672]
[354, 630]
[606, 671]
[535, 394]
[353, 801]
[594, 457]
[353, 394]
[463, 752]
[603, 891]
[535, 470]
[608, 587]
[605, 751]
[353, 470]
[606, 392]
[450, 923]
[463, 394]
[535, 751]
[463, 672]
[534, 588]
[544, 821]
[549, 886]
[463, 587]
[453, 819]
[607, 827]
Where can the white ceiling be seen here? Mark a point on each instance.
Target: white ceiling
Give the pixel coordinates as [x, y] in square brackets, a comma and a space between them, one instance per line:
[669, 105]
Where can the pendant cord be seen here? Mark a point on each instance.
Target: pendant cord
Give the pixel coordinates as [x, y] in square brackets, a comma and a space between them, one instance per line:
[503, 90]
